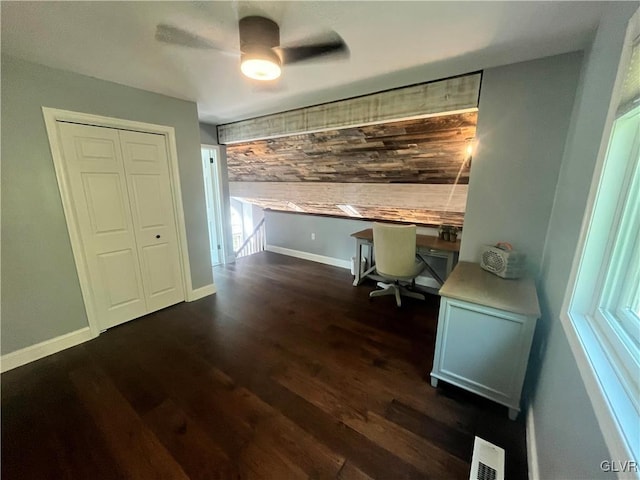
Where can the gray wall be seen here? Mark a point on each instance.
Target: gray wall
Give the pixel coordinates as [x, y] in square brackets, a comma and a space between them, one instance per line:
[570, 443]
[208, 134]
[523, 118]
[41, 296]
[333, 235]
[294, 231]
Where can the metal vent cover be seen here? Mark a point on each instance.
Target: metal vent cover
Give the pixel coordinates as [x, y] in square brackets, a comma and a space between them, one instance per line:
[487, 462]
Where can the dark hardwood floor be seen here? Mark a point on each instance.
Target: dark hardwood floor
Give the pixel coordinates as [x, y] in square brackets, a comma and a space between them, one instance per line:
[288, 372]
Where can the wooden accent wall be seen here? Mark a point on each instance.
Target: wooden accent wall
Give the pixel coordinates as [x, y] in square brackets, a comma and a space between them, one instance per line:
[429, 150]
[420, 152]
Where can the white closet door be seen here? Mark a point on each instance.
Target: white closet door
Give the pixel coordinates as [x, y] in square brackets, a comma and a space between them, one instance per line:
[145, 162]
[98, 187]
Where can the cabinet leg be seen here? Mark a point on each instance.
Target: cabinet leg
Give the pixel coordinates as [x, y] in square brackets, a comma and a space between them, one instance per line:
[434, 382]
[513, 413]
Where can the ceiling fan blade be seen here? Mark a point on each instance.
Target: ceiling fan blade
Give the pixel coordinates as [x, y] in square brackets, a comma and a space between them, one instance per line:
[329, 48]
[178, 36]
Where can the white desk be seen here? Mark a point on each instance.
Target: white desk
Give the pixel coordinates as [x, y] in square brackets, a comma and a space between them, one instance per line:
[426, 246]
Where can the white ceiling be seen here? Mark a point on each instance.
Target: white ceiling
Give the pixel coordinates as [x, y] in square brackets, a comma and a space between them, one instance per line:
[392, 44]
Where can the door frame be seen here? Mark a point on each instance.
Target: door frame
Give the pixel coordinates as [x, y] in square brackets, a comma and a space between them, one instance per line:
[54, 115]
[219, 200]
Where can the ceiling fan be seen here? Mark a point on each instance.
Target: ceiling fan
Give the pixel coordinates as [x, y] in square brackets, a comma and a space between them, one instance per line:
[261, 56]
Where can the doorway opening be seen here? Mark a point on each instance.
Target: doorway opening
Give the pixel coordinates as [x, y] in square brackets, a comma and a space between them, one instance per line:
[247, 228]
[213, 195]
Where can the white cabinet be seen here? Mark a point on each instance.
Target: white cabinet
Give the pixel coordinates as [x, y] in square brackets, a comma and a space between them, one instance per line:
[485, 329]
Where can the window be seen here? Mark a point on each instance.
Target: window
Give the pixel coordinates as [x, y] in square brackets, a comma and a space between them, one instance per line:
[616, 308]
[603, 302]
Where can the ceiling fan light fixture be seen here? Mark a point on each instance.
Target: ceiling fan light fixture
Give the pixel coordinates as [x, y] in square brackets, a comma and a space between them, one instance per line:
[261, 65]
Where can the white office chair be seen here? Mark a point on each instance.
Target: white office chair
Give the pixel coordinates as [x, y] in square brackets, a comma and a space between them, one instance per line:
[394, 248]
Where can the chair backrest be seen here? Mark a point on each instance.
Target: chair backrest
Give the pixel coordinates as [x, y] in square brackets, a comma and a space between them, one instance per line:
[394, 247]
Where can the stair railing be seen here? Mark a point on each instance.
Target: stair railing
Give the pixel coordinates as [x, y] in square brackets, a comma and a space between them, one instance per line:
[254, 243]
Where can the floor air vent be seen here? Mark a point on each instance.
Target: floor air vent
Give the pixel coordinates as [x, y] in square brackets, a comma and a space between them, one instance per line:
[487, 462]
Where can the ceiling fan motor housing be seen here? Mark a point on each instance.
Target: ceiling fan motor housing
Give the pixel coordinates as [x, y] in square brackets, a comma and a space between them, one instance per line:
[258, 35]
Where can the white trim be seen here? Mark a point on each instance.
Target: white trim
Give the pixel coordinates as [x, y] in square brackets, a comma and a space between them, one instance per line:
[201, 292]
[336, 262]
[51, 117]
[43, 349]
[532, 447]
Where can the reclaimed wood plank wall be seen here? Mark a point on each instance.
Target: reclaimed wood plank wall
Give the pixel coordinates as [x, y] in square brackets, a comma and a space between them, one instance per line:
[431, 151]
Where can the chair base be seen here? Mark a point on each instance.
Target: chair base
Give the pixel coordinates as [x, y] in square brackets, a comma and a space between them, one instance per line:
[397, 290]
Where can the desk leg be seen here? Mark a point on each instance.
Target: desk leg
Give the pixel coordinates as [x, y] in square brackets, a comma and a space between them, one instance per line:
[358, 269]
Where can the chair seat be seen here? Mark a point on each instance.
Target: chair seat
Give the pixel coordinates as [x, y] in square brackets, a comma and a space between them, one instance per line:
[418, 267]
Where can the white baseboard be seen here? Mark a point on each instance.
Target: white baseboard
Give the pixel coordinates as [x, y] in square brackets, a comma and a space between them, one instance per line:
[336, 262]
[532, 448]
[43, 349]
[201, 292]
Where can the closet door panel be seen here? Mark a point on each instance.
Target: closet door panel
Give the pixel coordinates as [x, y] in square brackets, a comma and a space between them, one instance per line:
[97, 182]
[119, 274]
[148, 181]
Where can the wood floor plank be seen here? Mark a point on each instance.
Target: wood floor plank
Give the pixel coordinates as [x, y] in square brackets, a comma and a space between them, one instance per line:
[369, 456]
[112, 353]
[351, 472]
[58, 442]
[321, 395]
[196, 452]
[297, 447]
[348, 368]
[272, 432]
[332, 432]
[256, 462]
[55, 444]
[415, 450]
[453, 441]
[190, 384]
[132, 444]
